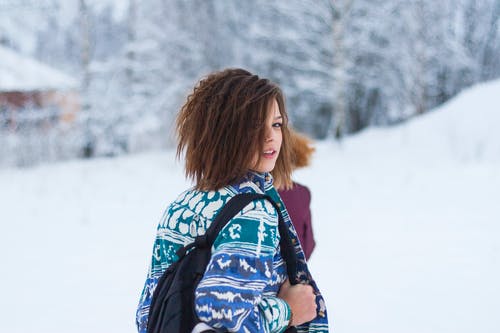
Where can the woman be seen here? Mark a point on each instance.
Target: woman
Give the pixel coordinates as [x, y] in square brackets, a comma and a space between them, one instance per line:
[297, 198]
[233, 132]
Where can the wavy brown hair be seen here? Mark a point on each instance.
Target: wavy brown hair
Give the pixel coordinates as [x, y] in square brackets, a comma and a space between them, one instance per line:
[302, 148]
[221, 127]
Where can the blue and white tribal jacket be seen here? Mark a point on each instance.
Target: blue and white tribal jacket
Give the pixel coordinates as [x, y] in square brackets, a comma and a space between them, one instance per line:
[240, 286]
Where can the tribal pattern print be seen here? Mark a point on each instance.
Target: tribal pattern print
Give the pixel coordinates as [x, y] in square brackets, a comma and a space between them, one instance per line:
[240, 286]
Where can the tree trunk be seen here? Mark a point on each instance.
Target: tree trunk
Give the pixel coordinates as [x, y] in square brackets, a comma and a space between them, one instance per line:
[338, 120]
[88, 148]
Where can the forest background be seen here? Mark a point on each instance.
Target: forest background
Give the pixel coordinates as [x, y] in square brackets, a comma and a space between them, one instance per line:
[344, 65]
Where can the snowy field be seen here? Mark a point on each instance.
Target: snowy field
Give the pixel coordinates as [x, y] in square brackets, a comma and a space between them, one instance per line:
[407, 222]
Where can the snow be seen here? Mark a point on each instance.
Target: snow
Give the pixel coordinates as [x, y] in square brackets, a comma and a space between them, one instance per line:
[20, 73]
[406, 224]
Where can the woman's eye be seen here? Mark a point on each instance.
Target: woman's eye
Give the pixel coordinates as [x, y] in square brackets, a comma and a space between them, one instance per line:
[278, 125]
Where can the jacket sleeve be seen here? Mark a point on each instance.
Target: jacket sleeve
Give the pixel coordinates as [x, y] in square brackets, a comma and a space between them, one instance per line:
[230, 294]
[141, 319]
[309, 242]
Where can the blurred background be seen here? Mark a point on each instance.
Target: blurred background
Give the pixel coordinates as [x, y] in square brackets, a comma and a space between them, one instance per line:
[91, 78]
[403, 101]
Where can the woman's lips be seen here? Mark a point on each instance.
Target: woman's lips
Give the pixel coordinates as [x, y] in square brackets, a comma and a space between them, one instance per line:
[270, 153]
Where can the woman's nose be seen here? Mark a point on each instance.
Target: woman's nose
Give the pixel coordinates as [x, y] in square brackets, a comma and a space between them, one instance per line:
[269, 135]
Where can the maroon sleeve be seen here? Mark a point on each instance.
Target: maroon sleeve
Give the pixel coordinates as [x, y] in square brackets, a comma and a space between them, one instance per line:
[297, 201]
[309, 243]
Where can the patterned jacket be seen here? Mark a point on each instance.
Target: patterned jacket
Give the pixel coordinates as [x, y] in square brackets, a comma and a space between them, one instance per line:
[239, 288]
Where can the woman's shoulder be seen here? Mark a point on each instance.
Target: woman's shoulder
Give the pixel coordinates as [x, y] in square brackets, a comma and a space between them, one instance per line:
[203, 203]
[297, 191]
[206, 204]
[300, 188]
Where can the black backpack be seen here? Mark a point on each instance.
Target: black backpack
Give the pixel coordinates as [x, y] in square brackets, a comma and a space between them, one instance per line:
[172, 306]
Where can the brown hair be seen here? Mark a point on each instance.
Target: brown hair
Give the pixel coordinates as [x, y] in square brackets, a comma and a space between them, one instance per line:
[301, 152]
[220, 128]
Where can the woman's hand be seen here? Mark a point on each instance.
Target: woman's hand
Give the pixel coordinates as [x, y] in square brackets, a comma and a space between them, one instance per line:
[302, 301]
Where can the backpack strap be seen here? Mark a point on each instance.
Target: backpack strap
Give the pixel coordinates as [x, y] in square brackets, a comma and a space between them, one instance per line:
[235, 205]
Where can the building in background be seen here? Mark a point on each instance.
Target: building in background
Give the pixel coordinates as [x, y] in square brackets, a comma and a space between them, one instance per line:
[33, 94]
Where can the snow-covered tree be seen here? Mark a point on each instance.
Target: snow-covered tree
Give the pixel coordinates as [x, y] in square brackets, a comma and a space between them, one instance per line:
[344, 65]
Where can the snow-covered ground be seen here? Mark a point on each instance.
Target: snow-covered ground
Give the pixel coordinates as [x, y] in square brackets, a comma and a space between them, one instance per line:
[407, 222]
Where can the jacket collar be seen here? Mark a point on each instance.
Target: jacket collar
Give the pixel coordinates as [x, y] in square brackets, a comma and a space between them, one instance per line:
[262, 181]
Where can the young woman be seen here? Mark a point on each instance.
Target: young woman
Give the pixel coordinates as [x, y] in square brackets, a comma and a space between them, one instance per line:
[233, 132]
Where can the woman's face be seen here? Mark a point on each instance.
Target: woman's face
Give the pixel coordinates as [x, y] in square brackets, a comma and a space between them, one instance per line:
[265, 160]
